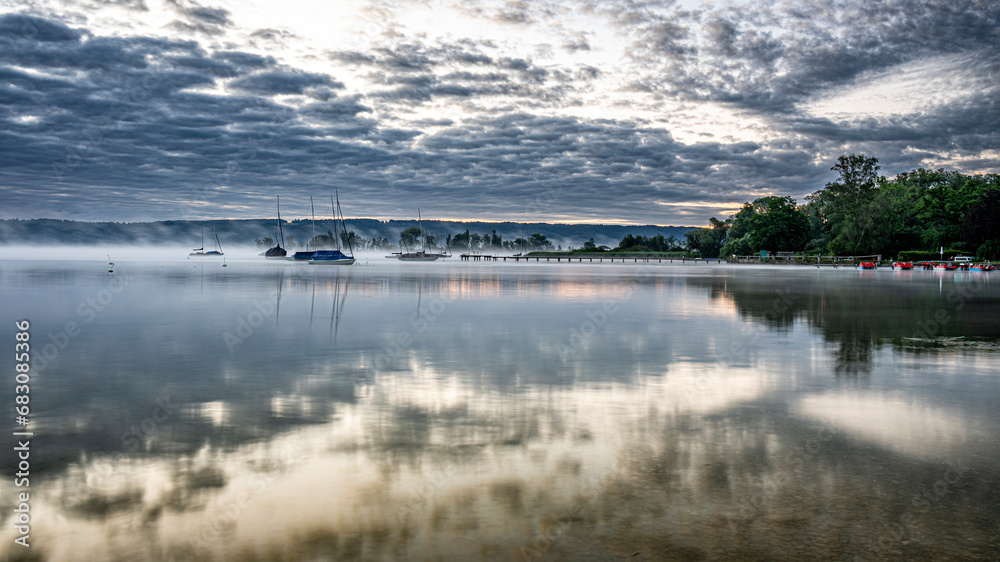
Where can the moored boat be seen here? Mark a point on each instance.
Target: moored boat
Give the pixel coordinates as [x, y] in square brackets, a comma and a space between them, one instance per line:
[278, 251]
[422, 255]
[200, 252]
[866, 265]
[981, 267]
[330, 257]
[418, 256]
[335, 257]
[902, 265]
[945, 266]
[308, 254]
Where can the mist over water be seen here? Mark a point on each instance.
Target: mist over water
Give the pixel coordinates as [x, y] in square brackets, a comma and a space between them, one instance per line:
[448, 410]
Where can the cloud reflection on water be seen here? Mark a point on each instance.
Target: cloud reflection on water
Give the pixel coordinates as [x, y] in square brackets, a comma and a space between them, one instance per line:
[481, 436]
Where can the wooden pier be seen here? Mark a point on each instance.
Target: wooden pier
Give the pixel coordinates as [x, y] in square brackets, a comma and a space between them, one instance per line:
[590, 259]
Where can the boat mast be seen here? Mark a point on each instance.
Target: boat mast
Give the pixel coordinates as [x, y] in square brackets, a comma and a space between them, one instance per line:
[343, 224]
[281, 233]
[217, 243]
[336, 233]
[313, 241]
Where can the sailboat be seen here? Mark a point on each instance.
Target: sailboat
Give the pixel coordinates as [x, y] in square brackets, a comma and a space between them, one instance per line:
[278, 251]
[335, 257]
[422, 255]
[200, 252]
[308, 254]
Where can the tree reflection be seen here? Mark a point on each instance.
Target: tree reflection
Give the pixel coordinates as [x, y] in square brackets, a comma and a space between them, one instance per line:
[858, 314]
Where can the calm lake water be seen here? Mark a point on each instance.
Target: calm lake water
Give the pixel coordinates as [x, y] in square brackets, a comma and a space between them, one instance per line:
[454, 411]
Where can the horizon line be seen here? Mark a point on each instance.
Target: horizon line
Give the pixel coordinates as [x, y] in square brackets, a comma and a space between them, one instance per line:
[363, 218]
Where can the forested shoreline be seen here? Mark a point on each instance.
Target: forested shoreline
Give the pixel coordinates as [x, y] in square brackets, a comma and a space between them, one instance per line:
[864, 213]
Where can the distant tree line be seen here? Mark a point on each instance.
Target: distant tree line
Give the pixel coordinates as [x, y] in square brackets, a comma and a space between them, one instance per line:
[863, 213]
[414, 238]
[473, 241]
[636, 244]
[328, 241]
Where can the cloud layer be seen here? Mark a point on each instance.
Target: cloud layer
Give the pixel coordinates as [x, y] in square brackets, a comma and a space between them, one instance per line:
[626, 111]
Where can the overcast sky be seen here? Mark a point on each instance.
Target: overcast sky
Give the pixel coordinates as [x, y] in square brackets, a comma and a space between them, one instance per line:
[614, 111]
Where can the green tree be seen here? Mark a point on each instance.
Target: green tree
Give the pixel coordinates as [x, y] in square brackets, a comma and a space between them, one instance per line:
[410, 237]
[852, 206]
[769, 223]
[778, 225]
[462, 241]
[738, 235]
[707, 241]
[539, 242]
[982, 222]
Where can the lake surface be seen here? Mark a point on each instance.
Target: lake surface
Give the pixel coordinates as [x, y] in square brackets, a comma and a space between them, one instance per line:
[456, 411]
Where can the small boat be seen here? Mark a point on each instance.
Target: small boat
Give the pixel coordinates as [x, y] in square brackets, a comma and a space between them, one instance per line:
[902, 265]
[330, 257]
[308, 254]
[945, 266]
[200, 252]
[278, 252]
[927, 265]
[981, 267]
[448, 255]
[866, 265]
[422, 255]
[418, 256]
[334, 257]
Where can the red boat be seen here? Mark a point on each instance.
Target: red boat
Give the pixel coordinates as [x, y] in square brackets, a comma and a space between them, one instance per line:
[946, 266]
[927, 265]
[981, 267]
[902, 265]
[866, 265]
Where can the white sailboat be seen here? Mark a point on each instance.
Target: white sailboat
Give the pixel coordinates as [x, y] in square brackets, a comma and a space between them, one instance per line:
[200, 252]
[422, 255]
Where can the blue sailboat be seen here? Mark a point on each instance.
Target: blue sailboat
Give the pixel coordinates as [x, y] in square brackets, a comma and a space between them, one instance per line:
[308, 254]
[335, 257]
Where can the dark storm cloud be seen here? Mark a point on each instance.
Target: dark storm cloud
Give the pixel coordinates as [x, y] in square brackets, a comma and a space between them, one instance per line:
[282, 82]
[460, 71]
[134, 126]
[414, 56]
[138, 5]
[769, 57]
[94, 126]
[116, 116]
[197, 18]
[30, 28]
[247, 60]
